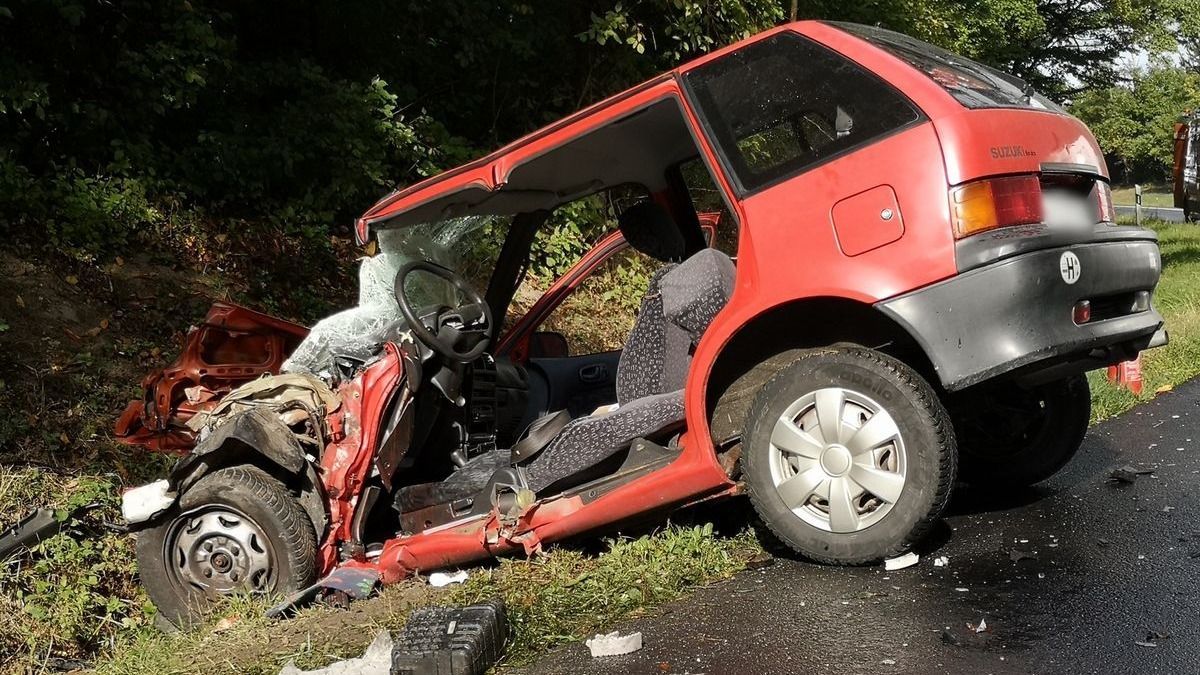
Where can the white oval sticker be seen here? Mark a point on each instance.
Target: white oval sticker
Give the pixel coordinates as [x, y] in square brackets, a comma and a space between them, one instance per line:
[1069, 267]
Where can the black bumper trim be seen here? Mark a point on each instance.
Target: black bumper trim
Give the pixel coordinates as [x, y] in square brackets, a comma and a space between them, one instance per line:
[1015, 314]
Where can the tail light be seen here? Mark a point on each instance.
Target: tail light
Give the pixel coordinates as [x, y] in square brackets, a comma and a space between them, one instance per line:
[1105, 211]
[998, 202]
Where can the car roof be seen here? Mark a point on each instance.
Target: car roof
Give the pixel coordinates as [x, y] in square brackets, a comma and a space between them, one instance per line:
[489, 173]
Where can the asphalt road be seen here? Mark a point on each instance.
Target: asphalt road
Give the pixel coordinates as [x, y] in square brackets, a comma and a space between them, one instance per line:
[1111, 566]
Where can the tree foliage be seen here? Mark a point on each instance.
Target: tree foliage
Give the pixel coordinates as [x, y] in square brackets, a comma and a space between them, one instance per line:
[120, 118]
[1135, 124]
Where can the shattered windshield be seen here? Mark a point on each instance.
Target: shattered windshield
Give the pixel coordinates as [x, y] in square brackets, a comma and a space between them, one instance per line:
[469, 245]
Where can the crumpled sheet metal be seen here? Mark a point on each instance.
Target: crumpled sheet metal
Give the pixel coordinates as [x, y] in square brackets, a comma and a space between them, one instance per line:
[273, 390]
[377, 660]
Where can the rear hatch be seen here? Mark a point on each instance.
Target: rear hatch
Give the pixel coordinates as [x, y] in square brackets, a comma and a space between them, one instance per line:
[1023, 174]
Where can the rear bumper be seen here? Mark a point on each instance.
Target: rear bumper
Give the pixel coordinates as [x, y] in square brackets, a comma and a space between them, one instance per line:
[1015, 316]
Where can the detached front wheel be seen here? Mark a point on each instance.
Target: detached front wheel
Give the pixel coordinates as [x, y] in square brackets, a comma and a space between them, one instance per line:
[849, 456]
[237, 530]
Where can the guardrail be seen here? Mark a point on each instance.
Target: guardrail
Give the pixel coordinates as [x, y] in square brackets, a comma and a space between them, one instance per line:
[1171, 215]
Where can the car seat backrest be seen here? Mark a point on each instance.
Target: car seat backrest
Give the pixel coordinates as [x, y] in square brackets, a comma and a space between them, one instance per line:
[678, 306]
[696, 290]
[649, 229]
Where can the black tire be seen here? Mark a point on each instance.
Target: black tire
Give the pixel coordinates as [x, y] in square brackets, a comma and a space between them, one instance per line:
[919, 418]
[289, 540]
[1010, 436]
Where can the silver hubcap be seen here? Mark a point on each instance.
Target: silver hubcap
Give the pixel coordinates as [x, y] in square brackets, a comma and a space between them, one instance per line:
[837, 460]
[219, 550]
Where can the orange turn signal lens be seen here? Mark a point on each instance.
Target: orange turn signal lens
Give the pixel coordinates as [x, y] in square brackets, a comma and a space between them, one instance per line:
[999, 202]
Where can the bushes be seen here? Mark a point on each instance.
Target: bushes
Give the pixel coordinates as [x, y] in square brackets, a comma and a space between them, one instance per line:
[119, 121]
[1134, 123]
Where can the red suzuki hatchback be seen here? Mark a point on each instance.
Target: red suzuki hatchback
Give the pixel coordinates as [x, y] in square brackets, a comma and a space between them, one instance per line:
[926, 263]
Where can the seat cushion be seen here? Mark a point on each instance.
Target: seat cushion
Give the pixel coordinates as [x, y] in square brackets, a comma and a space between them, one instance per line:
[587, 441]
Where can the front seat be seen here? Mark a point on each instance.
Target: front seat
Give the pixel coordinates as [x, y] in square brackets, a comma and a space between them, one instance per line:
[680, 302]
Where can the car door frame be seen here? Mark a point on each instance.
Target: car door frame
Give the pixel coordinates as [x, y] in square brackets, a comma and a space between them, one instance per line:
[515, 344]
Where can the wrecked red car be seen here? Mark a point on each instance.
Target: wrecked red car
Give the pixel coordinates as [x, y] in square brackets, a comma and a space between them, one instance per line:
[924, 262]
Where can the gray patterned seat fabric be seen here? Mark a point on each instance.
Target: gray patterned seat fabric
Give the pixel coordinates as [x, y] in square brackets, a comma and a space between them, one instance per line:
[679, 305]
[465, 482]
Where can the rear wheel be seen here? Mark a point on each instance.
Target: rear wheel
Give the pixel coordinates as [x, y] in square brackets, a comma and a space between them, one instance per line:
[849, 456]
[1011, 436]
[237, 530]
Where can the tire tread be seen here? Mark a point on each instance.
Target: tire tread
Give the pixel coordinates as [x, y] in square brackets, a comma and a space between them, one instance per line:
[942, 429]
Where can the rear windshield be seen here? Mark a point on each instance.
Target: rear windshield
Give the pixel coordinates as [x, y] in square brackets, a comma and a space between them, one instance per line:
[971, 83]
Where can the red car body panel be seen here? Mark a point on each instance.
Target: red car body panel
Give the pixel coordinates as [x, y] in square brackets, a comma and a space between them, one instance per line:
[355, 434]
[979, 143]
[233, 345]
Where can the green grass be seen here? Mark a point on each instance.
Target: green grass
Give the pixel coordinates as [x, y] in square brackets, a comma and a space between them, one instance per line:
[1152, 195]
[568, 594]
[76, 590]
[552, 599]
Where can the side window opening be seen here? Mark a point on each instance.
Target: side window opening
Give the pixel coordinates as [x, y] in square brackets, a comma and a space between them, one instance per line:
[709, 203]
[617, 286]
[599, 314]
[784, 104]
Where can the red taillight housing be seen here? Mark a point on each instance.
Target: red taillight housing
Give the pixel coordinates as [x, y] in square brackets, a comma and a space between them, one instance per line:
[997, 202]
[1105, 212]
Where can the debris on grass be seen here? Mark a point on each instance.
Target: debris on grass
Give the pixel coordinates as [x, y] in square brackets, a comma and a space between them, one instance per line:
[900, 562]
[941, 561]
[461, 640]
[980, 627]
[614, 644]
[440, 579]
[760, 561]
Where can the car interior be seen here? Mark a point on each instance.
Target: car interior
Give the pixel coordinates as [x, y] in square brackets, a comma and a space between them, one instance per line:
[555, 422]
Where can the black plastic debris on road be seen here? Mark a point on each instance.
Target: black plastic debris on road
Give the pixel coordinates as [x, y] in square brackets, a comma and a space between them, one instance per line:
[1017, 555]
[1127, 474]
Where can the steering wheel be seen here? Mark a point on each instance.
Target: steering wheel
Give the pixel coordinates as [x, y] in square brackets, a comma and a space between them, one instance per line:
[459, 334]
